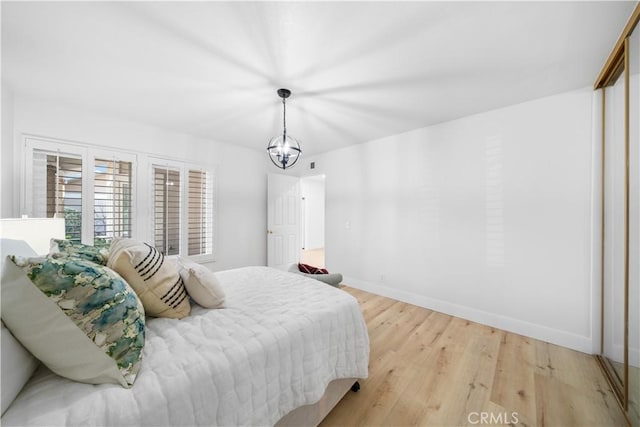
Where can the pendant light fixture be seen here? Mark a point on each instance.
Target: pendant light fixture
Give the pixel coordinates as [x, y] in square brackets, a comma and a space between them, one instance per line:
[284, 150]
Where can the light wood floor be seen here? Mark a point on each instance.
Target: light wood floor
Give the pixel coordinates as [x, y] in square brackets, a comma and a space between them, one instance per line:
[430, 369]
[313, 257]
[634, 390]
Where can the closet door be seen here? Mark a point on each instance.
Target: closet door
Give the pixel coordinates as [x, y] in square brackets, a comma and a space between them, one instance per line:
[621, 222]
[634, 229]
[614, 255]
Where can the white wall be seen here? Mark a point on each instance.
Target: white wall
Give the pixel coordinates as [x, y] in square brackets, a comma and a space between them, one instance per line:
[486, 217]
[6, 154]
[312, 190]
[240, 172]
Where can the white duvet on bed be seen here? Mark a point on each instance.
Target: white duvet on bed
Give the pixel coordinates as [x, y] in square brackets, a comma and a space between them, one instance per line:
[278, 343]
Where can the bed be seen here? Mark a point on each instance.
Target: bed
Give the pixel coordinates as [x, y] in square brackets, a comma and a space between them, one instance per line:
[283, 351]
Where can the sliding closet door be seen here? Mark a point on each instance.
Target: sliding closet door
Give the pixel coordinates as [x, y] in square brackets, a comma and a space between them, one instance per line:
[619, 83]
[614, 230]
[634, 229]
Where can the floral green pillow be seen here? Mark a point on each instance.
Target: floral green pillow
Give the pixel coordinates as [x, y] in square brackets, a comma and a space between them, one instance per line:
[79, 318]
[96, 254]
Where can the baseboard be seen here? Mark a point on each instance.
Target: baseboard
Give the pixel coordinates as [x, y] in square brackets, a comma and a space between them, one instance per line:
[521, 327]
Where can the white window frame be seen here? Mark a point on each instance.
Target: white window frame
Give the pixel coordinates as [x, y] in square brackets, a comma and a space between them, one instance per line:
[99, 153]
[184, 169]
[211, 220]
[173, 165]
[141, 192]
[88, 155]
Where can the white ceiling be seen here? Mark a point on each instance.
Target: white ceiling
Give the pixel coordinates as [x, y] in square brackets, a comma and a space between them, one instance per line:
[358, 70]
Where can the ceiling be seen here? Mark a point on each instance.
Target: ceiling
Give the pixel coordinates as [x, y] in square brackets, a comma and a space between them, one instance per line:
[358, 70]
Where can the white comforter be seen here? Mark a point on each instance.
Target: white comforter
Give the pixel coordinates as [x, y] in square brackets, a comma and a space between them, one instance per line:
[278, 343]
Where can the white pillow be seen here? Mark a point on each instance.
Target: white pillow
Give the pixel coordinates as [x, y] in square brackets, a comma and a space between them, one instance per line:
[202, 284]
[17, 367]
[153, 276]
[17, 363]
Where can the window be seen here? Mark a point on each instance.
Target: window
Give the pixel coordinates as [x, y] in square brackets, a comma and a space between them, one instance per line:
[112, 205]
[95, 190]
[200, 213]
[166, 210]
[91, 189]
[182, 209]
[57, 190]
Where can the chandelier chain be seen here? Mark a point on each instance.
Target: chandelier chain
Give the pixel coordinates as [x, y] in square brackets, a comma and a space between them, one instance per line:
[284, 115]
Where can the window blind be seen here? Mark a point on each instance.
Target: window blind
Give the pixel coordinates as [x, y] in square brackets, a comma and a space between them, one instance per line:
[57, 190]
[112, 207]
[182, 198]
[200, 213]
[166, 207]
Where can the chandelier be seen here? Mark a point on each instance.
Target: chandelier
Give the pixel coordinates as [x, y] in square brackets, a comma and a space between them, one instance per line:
[284, 150]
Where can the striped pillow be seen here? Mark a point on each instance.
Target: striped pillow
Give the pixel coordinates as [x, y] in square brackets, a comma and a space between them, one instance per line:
[155, 278]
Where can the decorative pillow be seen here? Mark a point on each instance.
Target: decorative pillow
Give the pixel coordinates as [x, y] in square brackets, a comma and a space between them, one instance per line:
[79, 318]
[309, 269]
[74, 249]
[17, 367]
[17, 363]
[202, 284]
[154, 278]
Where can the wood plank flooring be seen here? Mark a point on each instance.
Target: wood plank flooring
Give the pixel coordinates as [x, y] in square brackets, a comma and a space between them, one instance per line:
[430, 369]
[314, 257]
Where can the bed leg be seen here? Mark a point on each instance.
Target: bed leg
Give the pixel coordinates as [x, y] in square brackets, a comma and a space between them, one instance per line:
[355, 387]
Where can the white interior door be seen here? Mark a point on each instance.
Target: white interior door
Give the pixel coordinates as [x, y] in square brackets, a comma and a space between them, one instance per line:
[283, 221]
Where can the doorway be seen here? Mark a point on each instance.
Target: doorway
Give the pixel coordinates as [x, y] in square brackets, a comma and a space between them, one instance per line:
[312, 215]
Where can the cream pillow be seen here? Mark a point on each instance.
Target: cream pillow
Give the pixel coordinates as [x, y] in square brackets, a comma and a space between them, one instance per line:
[17, 363]
[154, 277]
[202, 284]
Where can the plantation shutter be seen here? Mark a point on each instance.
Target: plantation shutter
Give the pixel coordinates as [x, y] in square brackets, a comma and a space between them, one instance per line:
[57, 189]
[112, 204]
[200, 213]
[166, 207]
